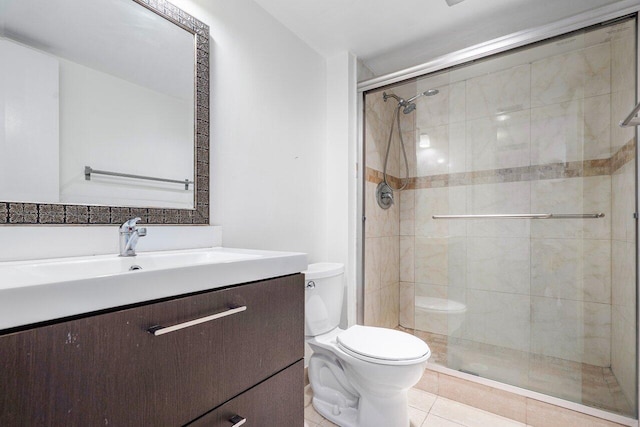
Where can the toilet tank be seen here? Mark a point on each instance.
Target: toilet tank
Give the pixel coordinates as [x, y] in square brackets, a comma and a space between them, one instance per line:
[324, 290]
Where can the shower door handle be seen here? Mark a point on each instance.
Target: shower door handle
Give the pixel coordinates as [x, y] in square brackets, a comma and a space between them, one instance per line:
[631, 119]
[523, 216]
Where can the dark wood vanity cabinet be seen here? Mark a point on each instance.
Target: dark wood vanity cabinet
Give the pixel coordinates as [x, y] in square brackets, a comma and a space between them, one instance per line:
[260, 406]
[109, 370]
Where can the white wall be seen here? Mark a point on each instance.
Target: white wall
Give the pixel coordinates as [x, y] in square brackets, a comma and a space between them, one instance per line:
[23, 243]
[341, 172]
[268, 130]
[268, 133]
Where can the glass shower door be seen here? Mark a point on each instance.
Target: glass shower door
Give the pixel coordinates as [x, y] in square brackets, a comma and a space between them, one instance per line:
[517, 237]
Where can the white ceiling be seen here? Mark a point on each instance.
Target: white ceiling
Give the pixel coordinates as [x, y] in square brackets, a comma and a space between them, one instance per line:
[390, 35]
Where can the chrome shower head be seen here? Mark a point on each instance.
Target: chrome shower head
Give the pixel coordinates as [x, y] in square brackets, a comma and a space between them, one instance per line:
[409, 105]
[408, 108]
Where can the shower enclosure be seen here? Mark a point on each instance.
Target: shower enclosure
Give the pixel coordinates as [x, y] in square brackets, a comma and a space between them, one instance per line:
[512, 249]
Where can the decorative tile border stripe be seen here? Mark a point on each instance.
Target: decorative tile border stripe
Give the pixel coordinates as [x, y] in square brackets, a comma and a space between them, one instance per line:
[579, 169]
[47, 214]
[61, 214]
[377, 177]
[623, 155]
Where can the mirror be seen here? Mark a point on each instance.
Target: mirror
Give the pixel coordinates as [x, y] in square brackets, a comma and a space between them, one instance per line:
[104, 113]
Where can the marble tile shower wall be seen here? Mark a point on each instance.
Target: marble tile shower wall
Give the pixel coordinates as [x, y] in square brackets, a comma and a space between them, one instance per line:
[382, 250]
[536, 136]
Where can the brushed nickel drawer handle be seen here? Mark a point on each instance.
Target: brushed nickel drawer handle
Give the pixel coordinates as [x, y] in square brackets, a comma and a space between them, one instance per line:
[237, 420]
[161, 330]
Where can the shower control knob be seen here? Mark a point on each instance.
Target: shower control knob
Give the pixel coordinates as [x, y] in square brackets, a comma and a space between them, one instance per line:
[384, 195]
[310, 284]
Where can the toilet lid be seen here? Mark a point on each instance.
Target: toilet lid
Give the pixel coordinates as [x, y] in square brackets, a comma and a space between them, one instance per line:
[382, 345]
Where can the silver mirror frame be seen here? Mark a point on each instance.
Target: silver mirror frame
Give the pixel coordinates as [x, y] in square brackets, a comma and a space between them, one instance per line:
[13, 213]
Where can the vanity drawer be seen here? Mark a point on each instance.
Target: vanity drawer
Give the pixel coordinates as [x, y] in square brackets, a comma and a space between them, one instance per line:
[108, 369]
[275, 402]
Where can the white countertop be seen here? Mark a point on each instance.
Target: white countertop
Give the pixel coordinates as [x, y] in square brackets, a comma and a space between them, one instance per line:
[41, 290]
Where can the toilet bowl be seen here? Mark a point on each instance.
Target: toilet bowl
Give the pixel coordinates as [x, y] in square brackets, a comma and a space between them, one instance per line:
[439, 315]
[360, 376]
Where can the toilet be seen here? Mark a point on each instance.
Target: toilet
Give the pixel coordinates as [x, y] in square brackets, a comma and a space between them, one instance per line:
[360, 376]
[439, 315]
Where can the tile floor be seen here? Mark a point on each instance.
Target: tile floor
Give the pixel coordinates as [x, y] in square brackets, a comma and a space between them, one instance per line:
[426, 410]
[578, 382]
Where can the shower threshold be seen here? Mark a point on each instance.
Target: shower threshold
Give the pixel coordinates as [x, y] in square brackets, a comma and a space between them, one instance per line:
[582, 383]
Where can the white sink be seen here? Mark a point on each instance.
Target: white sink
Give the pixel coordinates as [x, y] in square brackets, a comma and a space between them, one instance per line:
[41, 290]
[28, 273]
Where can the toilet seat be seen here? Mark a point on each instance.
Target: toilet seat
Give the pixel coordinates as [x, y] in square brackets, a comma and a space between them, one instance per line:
[382, 346]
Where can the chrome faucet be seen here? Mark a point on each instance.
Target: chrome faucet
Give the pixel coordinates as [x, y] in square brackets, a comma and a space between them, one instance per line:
[129, 235]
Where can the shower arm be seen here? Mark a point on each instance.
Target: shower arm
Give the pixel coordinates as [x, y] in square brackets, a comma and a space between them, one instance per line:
[406, 102]
[416, 97]
[386, 95]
